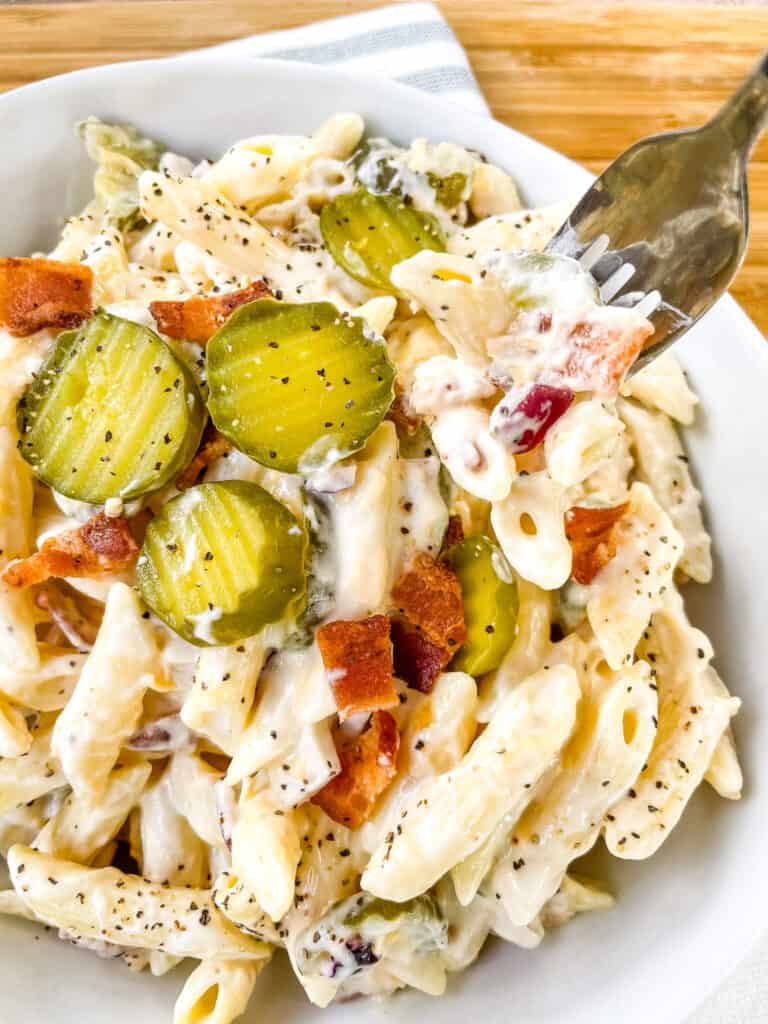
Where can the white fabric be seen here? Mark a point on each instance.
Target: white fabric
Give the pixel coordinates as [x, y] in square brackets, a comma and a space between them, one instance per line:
[413, 44]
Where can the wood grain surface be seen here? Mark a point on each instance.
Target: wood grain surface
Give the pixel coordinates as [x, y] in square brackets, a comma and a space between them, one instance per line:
[587, 79]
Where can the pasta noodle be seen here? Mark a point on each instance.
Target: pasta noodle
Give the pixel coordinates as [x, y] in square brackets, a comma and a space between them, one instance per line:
[80, 828]
[216, 992]
[102, 903]
[661, 463]
[105, 707]
[451, 815]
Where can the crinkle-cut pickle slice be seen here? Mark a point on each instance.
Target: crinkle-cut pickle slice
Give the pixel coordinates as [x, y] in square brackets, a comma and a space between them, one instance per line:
[490, 600]
[368, 234]
[297, 386]
[111, 413]
[221, 561]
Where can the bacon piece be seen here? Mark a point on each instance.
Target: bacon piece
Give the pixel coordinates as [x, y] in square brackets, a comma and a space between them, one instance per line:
[368, 766]
[102, 545]
[407, 425]
[594, 537]
[603, 346]
[417, 661]
[198, 318]
[212, 447]
[430, 628]
[429, 596]
[38, 293]
[358, 659]
[454, 532]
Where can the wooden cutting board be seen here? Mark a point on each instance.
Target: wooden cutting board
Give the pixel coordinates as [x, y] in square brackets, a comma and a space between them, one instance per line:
[585, 79]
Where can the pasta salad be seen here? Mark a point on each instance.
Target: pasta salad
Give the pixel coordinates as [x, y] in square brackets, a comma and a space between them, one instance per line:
[340, 570]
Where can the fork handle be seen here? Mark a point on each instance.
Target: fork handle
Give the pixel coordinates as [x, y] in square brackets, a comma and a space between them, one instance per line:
[745, 115]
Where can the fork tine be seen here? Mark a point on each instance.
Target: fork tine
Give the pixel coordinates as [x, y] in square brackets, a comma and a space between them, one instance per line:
[647, 305]
[628, 300]
[616, 282]
[594, 252]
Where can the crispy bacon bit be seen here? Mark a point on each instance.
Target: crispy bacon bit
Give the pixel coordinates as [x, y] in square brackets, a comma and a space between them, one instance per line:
[212, 447]
[368, 765]
[407, 425]
[603, 347]
[430, 628]
[593, 537]
[358, 659]
[417, 661]
[67, 610]
[429, 596]
[38, 293]
[102, 545]
[454, 532]
[198, 318]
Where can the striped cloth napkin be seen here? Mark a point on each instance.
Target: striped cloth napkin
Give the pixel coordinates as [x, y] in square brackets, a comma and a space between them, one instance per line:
[412, 43]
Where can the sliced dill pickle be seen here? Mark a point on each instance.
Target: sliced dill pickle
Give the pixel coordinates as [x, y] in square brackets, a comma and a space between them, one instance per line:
[541, 280]
[420, 913]
[450, 190]
[378, 165]
[221, 561]
[363, 929]
[490, 604]
[368, 234]
[112, 413]
[297, 386]
[381, 166]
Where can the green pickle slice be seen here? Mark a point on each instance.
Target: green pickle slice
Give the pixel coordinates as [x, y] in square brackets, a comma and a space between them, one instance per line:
[490, 604]
[297, 386]
[535, 280]
[368, 234]
[450, 190]
[221, 561]
[112, 413]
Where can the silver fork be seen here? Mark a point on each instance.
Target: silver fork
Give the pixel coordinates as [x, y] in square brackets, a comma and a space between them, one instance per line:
[665, 227]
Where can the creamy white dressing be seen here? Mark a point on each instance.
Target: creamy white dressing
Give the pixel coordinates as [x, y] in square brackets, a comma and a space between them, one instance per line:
[134, 310]
[408, 180]
[422, 514]
[204, 622]
[339, 476]
[235, 465]
[20, 359]
[80, 511]
[539, 281]
[442, 382]
[474, 458]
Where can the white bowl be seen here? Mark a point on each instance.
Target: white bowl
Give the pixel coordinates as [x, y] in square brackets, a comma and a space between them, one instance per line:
[686, 917]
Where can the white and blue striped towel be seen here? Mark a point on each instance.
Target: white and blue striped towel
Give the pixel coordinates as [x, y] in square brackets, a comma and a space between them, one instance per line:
[412, 43]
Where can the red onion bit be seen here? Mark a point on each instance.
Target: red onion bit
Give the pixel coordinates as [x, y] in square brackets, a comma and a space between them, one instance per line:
[521, 422]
